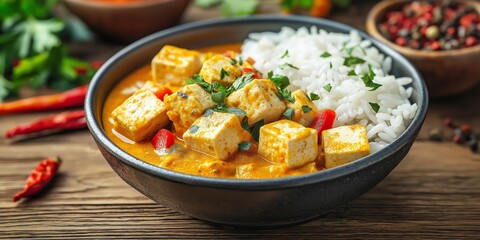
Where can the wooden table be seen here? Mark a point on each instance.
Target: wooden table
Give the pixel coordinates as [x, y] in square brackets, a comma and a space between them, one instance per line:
[434, 193]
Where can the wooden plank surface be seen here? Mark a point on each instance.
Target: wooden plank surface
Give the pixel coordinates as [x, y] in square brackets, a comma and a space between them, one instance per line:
[433, 194]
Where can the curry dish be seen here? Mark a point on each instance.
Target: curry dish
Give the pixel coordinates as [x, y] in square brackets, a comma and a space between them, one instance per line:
[208, 112]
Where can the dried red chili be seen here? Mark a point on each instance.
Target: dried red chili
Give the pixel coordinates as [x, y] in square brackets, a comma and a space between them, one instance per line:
[63, 121]
[43, 174]
[72, 98]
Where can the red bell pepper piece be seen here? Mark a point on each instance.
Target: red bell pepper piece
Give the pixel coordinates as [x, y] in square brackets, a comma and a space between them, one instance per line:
[43, 174]
[72, 98]
[63, 121]
[163, 139]
[323, 120]
[161, 92]
[256, 75]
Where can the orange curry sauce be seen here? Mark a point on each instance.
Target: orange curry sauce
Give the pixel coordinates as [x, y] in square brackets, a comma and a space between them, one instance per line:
[241, 165]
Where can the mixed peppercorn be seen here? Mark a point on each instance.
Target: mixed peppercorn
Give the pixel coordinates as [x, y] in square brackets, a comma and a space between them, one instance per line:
[462, 134]
[433, 26]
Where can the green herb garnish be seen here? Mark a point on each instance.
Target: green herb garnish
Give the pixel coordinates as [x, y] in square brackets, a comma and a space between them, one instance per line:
[285, 65]
[327, 87]
[208, 112]
[314, 96]
[224, 73]
[368, 79]
[279, 80]
[330, 65]
[233, 61]
[306, 109]
[193, 129]
[285, 54]
[236, 111]
[218, 97]
[242, 81]
[289, 113]
[245, 124]
[352, 73]
[245, 146]
[349, 61]
[256, 129]
[326, 55]
[284, 94]
[374, 106]
[240, 61]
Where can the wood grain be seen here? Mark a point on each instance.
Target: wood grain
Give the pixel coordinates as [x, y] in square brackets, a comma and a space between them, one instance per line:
[433, 194]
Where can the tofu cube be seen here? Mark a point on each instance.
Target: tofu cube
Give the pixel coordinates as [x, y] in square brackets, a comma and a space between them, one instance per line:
[289, 143]
[186, 105]
[303, 114]
[220, 69]
[258, 100]
[172, 65]
[344, 144]
[140, 116]
[217, 135]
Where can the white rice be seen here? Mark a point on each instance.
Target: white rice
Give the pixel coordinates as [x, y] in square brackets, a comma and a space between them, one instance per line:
[349, 96]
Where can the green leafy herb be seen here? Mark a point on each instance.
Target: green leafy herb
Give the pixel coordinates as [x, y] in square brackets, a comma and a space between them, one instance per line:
[224, 73]
[208, 112]
[352, 73]
[232, 61]
[351, 60]
[236, 111]
[306, 109]
[374, 106]
[368, 79]
[193, 129]
[243, 80]
[240, 61]
[182, 95]
[327, 87]
[256, 129]
[218, 97]
[245, 146]
[279, 80]
[285, 54]
[289, 113]
[330, 65]
[285, 65]
[314, 96]
[245, 124]
[325, 55]
[284, 94]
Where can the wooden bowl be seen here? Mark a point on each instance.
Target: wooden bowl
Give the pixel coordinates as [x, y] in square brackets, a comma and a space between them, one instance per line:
[446, 72]
[128, 21]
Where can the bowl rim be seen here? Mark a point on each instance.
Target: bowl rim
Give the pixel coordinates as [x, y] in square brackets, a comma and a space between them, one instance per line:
[253, 184]
[375, 14]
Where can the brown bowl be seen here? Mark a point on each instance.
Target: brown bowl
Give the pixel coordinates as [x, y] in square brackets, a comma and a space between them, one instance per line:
[446, 72]
[128, 21]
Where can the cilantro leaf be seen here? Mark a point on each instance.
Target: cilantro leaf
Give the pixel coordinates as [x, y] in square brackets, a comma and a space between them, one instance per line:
[289, 113]
[285, 65]
[349, 61]
[236, 111]
[240, 61]
[314, 96]
[218, 97]
[37, 35]
[368, 79]
[256, 129]
[224, 73]
[328, 87]
[352, 73]
[374, 106]
[232, 61]
[285, 54]
[279, 80]
[306, 109]
[325, 55]
[193, 129]
[243, 80]
[245, 124]
[245, 146]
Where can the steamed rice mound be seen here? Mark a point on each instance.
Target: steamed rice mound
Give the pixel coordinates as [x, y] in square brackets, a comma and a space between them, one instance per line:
[314, 60]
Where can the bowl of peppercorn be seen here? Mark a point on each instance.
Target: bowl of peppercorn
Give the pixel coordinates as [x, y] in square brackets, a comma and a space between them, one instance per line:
[441, 37]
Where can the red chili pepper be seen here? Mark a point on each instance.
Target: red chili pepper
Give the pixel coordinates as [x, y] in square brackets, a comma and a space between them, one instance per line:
[96, 64]
[163, 139]
[43, 174]
[63, 121]
[323, 121]
[256, 75]
[161, 92]
[72, 98]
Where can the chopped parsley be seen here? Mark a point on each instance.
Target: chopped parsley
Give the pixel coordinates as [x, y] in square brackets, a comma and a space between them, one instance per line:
[182, 95]
[352, 73]
[245, 123]
[240, 61]
[289, 113]
[242, 81]
[285, 65]
[314, 96]
[327, 87]
[224, 73]
[233, 61]
[368, 79]
[351, 60]
[284, 94]
[236, 111]
[374, 106]
[285, 54]
[306, 109]
[256, 129]
[208, 112]
[330, 65]
[245, 146]
[326, 55]
[218, 97]
[279, 80]
[193, 129]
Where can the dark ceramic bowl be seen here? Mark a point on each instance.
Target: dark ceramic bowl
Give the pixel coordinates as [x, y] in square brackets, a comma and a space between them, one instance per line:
[247, 203]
